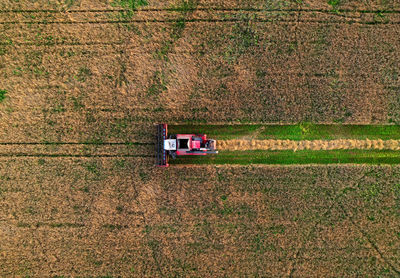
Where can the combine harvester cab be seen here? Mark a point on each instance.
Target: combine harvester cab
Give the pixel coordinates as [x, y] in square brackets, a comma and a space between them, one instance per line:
[175, 145]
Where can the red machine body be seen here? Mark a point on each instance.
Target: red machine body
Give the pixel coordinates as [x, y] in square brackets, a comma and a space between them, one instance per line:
[189, 142]
[181, 144]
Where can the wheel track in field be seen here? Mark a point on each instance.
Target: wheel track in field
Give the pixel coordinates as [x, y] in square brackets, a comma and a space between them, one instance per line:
[64, 43]
[76, 149]
[294, 21]
[76, 143]
[211, 15]
[11, 155]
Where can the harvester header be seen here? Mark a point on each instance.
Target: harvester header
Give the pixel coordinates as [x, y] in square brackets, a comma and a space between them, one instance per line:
[174, 145]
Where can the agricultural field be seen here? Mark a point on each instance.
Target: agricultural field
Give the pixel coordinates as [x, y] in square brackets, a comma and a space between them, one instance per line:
[83, 83]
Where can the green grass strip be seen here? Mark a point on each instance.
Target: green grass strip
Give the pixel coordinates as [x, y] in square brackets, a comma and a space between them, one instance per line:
[303, 131]
[298, 157]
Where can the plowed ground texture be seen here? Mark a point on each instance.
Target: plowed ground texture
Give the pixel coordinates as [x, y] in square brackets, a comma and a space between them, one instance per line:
[82, 84]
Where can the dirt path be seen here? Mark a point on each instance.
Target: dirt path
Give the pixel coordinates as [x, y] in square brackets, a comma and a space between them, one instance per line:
[341, 144]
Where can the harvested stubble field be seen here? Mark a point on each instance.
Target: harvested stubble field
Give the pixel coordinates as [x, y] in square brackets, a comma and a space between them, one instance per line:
[82, 83]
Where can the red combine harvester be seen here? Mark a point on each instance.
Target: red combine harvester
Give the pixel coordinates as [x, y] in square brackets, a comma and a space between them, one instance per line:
[181, 144]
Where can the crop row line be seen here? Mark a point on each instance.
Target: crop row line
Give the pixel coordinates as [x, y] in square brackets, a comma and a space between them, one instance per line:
[141, 51]
[206, 21]
[71, 155]
[77, 143]
[336, 11]
[62, 43]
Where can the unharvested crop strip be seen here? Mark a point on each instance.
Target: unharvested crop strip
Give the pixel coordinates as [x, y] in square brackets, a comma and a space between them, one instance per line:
[336, 200]
[314, 145]
[371, 242]
[302, 248]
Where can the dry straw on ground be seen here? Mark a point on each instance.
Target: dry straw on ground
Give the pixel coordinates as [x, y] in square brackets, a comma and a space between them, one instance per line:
[340, 144]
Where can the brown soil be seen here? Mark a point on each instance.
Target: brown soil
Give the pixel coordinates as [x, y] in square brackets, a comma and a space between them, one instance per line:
[66, 79]
[84, 75]
[119, 217]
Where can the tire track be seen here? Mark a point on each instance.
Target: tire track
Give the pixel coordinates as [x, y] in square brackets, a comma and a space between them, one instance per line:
[230, 20]
[75, 149]
[62, 43]
[72, 155]
[373, 244]
[76, 143]
[352, 16]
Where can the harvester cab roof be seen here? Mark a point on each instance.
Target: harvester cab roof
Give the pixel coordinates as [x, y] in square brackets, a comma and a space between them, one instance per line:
[174, 145]
[170, 144]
